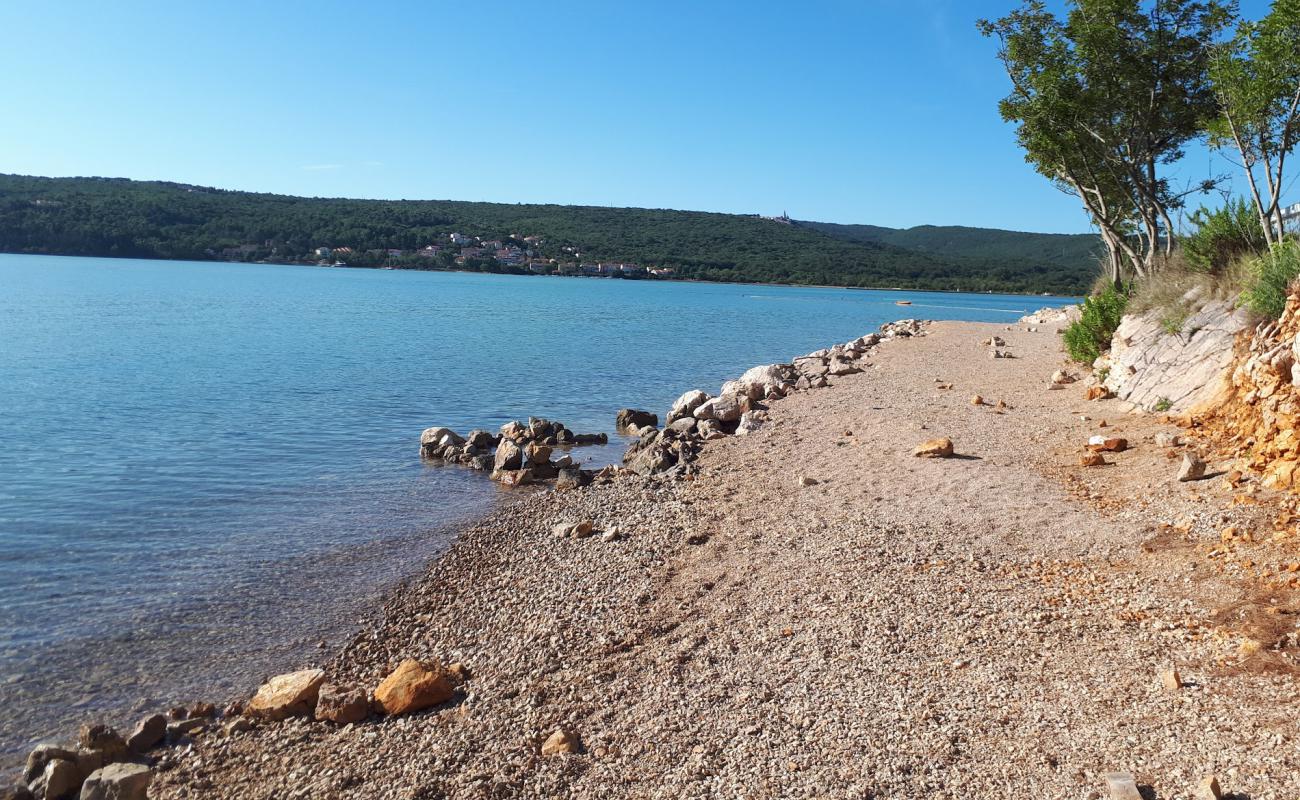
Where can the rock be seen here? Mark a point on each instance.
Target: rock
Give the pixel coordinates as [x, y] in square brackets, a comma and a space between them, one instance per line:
[184, 727]
[60, 780]
[1171, 680]
[996, 341]
[804, 480]
[1193, 468]
[514, 431]
[342, 704]
[147, 733]
[1165, 439]
[16, 791]
[481, 439]
[509, 456]
[1208, 789]
[413, 686]
[1092, 460]
[104, 739]
[483, 463]
[590, 438]
[538, 454]
[634, 418]
[1107, 444]
[236, 725]
[839, 365]
[685, 405]
[751, 421]
[561, 741]
[1061, 377]
[610, 535]
[934, 448]
[290, 695]
[433, 438]
[1097, 393]
[42, 755]
[810, 367]
[977, 400]
[1121, 786]
[512, 477]
[118, 782]
[570, 478]
[577, 530]
[684, 425]
[725, 408]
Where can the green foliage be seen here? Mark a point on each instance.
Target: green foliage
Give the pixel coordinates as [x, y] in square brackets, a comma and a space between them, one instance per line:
[1104, 99]
[1256, 79]
[1223, 235]
[1163, 404]
[116, 217]
[1089, 336]
[1271, 277]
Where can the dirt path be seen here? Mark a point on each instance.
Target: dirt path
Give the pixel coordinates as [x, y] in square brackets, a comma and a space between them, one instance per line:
[986, 626]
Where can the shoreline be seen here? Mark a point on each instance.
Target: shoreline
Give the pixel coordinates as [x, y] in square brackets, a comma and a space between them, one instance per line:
[766, 626]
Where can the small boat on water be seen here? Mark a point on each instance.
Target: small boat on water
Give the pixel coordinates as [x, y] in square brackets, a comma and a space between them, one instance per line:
[902, 302]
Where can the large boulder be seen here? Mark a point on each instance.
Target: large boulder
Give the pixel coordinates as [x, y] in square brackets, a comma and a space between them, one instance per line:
[724, 408]
[509, 456]
[685, 405]
[436, 439]
[413, 686]
[481, 439]
[103, 739]
[515, 431]
[634, 418]
[293, 694]
[118, 782]
[147, 733]
[59, 781]
[42, 755]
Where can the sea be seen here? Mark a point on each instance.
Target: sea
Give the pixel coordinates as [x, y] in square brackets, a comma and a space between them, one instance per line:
[210, 473]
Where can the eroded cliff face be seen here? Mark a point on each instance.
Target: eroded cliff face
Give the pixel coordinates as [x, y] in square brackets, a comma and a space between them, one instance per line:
[1256, 418]
[1178, 371]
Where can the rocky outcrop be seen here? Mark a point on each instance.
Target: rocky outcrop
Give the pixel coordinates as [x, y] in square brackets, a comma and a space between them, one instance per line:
[118, 782]
[1257, 419]
[1156, 365]
[635, 419]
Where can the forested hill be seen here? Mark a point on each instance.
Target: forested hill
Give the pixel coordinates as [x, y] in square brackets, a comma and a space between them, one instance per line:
[147, 219]
[1059, 249]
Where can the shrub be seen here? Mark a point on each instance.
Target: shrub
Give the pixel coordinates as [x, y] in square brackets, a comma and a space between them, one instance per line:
[1222, 236]
[1271, 277]
[1088, 337]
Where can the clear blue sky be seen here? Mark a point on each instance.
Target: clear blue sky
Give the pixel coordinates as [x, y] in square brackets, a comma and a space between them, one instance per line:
[875, 111]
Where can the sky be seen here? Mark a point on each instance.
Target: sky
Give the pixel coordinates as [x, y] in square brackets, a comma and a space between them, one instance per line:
[868, 111]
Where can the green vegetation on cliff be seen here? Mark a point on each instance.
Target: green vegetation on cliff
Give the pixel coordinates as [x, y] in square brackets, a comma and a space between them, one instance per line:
[146, 219]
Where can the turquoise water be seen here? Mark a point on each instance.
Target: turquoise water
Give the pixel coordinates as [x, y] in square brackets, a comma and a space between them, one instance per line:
[207, 467]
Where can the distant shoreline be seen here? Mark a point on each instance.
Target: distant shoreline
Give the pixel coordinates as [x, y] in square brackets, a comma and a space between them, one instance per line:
[530, 275]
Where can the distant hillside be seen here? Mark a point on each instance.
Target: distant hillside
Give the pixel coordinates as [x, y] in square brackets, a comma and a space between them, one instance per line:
[1058, 249]
[146, 219]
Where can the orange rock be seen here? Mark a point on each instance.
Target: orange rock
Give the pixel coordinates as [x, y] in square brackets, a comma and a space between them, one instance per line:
[1093, 460]
[413, 686]
[1097, 393]
[561, 741]
[934, 448]
[291, 695]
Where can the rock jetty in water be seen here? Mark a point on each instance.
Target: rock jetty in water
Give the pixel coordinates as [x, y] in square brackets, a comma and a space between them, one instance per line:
[519, 453]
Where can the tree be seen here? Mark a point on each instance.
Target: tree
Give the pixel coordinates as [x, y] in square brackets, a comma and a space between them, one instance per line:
[1256, 80]
[1105, 100]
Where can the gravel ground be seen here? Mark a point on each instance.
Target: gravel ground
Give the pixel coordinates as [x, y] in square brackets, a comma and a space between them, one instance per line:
[987, 626]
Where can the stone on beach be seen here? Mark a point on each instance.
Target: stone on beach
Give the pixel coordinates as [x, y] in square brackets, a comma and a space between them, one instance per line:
[685, 405]
[635, 418]
[147, 733]
[59, 780]
[934, 448]
[1092, 460]
[42, 755]
[413, 686]
[724, 408]
[1108, 444]
[293, 694]
[118, 782]
[103, 739]
[1192, 469]
[1171, 679]
[1208, 789]
[1121, 786]
[342, 704]
[562, 741]
[509, 456]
